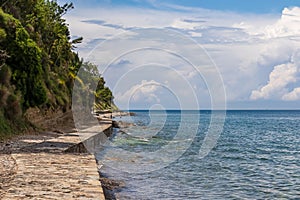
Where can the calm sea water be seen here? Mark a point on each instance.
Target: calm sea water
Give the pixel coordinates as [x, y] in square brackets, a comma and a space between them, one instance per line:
[257, 157]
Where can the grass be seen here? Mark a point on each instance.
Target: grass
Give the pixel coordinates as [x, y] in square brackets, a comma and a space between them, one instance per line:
[6, 129]
[9, 129]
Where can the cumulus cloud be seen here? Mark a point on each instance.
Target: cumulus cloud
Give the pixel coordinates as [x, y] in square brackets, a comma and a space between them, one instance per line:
[292, 96]
[245, 48]
[144, 91]
[279, 79]
[288, 25]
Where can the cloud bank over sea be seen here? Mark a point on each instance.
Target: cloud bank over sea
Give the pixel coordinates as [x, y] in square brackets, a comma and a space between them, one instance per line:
[257, 54]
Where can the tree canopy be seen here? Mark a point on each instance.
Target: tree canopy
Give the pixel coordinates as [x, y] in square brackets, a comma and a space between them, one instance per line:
[38, 64]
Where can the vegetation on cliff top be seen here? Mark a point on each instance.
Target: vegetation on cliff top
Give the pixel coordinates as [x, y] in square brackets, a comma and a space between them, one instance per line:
[37, 63]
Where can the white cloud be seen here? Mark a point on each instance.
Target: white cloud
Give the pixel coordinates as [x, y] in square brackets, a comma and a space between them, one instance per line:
[245, 47]
[279, 80]
[288, 25]
[144, 91]
[292, 96]
[276, 52]
[185, 24]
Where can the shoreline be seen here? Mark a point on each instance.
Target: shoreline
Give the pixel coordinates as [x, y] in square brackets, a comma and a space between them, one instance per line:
[50, 164]
[111, 185]
[61, 144]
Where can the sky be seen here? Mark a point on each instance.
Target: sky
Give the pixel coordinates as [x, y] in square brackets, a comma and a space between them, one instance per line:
[204, 54]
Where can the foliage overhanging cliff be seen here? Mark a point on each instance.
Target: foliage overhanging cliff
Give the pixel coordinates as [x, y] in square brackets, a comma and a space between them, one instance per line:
[37, 63]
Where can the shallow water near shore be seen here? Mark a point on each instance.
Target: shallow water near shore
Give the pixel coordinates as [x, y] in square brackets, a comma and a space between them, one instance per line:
[257, 157]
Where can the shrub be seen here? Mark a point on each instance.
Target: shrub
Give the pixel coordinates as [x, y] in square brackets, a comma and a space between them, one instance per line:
[5, 75]
[13, 110]
[4, 92]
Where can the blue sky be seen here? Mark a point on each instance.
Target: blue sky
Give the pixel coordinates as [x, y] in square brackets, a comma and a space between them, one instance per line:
[253, 6]
[248, 49]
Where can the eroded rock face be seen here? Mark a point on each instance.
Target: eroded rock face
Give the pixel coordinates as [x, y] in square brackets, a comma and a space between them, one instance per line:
[110, 186]
[122, 125]
[50, 120]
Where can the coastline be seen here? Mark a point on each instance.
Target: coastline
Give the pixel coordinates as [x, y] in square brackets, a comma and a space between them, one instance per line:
[111, 185]
[52, 164]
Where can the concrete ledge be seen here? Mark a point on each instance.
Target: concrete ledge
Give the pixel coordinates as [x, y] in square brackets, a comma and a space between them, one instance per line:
[58, 168]
[91, 140]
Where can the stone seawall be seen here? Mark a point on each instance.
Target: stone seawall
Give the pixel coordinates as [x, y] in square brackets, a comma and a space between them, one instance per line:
[90, 144]
[57, 168]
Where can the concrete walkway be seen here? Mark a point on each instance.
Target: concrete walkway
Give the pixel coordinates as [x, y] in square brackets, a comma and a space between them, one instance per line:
[46, 171]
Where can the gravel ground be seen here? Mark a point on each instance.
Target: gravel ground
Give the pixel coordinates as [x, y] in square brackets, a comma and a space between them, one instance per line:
[7, 172]
[8, 165]
[58, 126]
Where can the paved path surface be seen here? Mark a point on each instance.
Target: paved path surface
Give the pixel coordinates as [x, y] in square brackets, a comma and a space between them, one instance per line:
[45, 171]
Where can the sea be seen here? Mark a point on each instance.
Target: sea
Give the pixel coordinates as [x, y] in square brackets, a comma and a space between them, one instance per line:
[254, 155]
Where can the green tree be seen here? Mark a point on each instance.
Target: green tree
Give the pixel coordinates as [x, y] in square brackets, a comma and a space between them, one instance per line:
[38, 65]
[24, 61]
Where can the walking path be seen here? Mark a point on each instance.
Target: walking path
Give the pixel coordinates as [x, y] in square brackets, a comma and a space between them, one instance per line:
[55, 168]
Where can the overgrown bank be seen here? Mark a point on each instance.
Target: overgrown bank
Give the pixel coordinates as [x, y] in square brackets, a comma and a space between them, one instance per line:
[38, 65]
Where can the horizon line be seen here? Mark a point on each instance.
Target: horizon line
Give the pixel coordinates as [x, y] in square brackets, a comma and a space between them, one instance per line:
[242, 109]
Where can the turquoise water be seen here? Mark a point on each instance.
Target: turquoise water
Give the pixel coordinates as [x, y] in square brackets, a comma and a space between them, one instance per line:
[256, 157]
